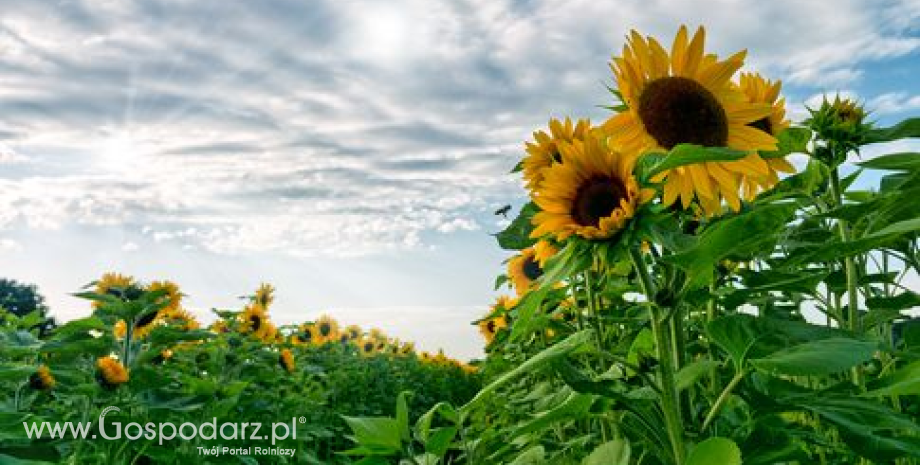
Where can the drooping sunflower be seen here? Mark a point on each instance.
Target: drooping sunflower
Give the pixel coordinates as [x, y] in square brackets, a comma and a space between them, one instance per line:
[42, 379]
[265, 295]
[523, 270]
[543, 152]
[286, 360]
[110, 372]
[760, 90]
[173, 296]
[122, 286]
[328, 328]
[592, 193]
[687, 97]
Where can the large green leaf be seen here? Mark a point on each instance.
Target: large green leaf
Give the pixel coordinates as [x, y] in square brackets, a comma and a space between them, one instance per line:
[744, 236]
[576, 405]
[817, 358]
[736, 335]
[375, 435]
[901, 161]
[792, 140]
[715, 450]
[574, 342]
[614, 452]
[907, 128]
[903, 382]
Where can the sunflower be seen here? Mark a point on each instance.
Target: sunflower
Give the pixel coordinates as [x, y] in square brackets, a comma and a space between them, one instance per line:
[368, 347]
[118, 285]
[523, 270]
[377, 334]
[219, 327]
[265, 295]
[328, 328]
[42, 380]
[353, 332]
[687, 97]
[307, 334]
[286, 360]
[760, 90]
[181, 318]
[254, 320]
[543, 152]
[110, 372]
[490, 326]
[407, 349]
[173, 296]
[591, 194]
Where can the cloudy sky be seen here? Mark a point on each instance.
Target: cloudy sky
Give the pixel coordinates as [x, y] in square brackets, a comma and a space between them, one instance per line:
[351, 153]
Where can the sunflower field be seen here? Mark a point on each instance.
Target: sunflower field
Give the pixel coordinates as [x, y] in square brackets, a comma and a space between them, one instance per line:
[141, 352]
[696, 280]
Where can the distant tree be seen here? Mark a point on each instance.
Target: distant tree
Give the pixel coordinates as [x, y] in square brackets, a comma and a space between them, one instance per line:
[22, 299]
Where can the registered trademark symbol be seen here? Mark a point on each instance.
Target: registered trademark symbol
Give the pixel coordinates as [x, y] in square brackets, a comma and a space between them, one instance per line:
[303, 419]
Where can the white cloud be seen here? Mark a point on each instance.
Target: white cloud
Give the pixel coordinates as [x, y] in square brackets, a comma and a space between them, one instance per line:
[9, 245]
[130, 247]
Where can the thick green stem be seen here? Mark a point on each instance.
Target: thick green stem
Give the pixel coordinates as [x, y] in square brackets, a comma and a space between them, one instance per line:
[850, 270]
[670, 401]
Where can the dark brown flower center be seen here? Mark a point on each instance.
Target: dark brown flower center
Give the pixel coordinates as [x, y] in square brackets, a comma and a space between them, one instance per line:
[764, 125]
[678, 110]
[368, 346]
[325, 329]
[490, 326]
[532, 269]
[597, 198]
[255, 322]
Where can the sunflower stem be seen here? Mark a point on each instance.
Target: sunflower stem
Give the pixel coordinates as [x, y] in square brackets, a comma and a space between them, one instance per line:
[670, 401]
[850, 270]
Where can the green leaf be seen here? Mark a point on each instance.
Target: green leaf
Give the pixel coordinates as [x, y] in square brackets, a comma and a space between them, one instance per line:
[902, 161]
[568, 345]
[792, 140]
[517, 235]
[817, 358]
[688, 154]
[715, 450]
[735, 334]
[903, 382]
[439, 440]
[744, 236]
[688, 375]
[614, 452]
[907, 128]
[576, 405]
[402, 415]
[423, 424]
[378, 434]
[534, 456]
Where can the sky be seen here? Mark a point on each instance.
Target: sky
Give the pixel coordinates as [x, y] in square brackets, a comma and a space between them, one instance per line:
[352, 153]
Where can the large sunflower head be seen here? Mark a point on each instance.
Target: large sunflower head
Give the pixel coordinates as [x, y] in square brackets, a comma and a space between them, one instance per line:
[760, 90]
[110, 372]
[265, 295]
[592, 193]
[42, 379]
[491, 324]
[543, 152]
[328, 328]
[353, 332]
[523, 270]
[686, 96]
[181, 318]
[286, 360]
[173, 296]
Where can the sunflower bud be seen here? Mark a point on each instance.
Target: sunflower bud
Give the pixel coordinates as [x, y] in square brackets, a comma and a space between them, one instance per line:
[840, 124]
